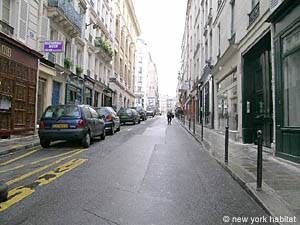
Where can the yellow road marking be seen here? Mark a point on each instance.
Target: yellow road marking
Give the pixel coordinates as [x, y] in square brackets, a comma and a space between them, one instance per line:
[20, 157]
[38, 161]
[52, 157]
[11, 169]
[59, 171]
[24, 176]
[17, 194]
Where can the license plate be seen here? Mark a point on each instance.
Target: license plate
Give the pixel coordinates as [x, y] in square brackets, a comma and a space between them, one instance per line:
[60, 126]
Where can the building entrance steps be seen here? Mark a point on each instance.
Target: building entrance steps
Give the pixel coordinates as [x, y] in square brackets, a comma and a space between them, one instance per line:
[280, 194]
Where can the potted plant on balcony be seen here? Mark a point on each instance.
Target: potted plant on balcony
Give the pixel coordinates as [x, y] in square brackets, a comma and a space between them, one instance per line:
[68, 63]
[79, 70]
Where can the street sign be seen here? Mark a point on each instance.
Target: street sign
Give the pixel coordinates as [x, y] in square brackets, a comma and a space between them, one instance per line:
[53, 46]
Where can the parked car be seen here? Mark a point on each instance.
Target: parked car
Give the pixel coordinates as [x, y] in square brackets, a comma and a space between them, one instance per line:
[150, 112]
[129, 115]
[111, 119]
[70, 122]
[142, 112]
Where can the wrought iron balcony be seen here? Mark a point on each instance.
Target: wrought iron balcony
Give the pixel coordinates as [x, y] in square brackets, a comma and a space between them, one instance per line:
[6, 28]
[254, 14]
[64, 13]
[52, 57]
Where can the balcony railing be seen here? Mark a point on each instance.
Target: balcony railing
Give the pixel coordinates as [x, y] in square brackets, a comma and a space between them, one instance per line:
[254, 14]
[6, 28]
[68, 10]
[52, 57]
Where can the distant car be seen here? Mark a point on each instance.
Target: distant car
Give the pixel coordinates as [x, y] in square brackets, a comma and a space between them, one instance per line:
[150, 112]
[70, 122]
[111, 119]
[142, 112]
[129, 115]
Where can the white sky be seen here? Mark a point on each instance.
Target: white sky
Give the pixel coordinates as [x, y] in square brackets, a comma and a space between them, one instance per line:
[162, 25]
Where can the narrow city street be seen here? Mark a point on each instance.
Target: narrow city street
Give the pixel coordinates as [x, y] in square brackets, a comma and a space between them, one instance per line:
[151, 173]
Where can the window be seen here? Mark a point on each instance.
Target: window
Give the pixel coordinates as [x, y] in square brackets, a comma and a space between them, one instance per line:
[5, 10]
[291, 67]
[94, 113]
[232, 3]
[87, 112]
[254, 3]
[219, 40]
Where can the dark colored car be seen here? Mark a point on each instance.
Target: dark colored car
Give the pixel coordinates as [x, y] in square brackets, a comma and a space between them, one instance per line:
[111, 119]
[129, 115]
[70, 122]
[142, 112]
[150, 112]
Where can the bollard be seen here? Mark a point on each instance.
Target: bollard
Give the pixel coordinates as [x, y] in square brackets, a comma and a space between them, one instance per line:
[194, 125]
[226, 143]
[259, 160]
[202, 130]
[3, 192]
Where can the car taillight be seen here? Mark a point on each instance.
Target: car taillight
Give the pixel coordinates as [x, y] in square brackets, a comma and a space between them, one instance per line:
[108, 118]
[81, 123]
[42, 125]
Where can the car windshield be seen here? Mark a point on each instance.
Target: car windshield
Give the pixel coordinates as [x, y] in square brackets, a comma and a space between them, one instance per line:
[55, 112]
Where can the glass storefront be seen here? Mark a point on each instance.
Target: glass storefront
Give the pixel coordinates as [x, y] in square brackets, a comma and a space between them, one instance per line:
[227, 103]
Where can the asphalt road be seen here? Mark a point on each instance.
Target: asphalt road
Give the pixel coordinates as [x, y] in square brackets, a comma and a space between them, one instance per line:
[147, 174]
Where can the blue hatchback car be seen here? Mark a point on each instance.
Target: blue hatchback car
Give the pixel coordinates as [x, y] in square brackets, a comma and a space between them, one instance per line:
[70, 122]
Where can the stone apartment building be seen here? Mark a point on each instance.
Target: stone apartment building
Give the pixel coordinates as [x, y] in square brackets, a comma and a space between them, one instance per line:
[152, 93]
[237, 75]
[19, 65]
[127, 29]
[141, 72]
[80, 71]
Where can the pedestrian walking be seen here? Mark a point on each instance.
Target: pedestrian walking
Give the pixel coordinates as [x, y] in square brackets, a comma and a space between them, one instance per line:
[170, 116]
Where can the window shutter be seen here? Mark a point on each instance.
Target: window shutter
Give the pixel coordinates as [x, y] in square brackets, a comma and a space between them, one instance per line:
[5, 10]
[45, 34]
[23, 19]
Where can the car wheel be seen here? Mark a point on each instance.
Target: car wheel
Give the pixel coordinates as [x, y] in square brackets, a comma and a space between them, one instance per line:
[86, 141]
[102, 137]
[45, 143]
[119, 128]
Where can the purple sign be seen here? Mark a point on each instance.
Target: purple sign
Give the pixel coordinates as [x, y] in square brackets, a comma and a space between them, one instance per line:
[53, 46]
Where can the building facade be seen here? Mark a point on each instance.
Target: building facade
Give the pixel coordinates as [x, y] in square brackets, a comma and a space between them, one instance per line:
[127, 30]
[285, 19]
[78, 72]
[237, 73]
[152, 93]
[141, 72]
[19, 65]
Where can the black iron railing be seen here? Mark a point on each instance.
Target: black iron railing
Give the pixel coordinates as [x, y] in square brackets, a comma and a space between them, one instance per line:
[254, 14]
[6, 28]
[68, 10]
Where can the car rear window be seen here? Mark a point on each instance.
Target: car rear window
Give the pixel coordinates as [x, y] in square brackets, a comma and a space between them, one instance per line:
[55, 112]
[103, 111]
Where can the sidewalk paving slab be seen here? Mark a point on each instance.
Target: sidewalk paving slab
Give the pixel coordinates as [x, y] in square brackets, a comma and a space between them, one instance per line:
[18, 143]
[280, 194]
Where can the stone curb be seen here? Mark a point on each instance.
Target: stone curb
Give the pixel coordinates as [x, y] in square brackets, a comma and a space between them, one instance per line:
[267, 198]
[18, 147]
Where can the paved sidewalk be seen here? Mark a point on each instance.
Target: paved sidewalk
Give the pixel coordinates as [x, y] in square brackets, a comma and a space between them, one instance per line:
[17, 143]
[281, 180]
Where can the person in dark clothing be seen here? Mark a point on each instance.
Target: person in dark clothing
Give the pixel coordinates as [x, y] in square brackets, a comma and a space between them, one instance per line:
[170, 117]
